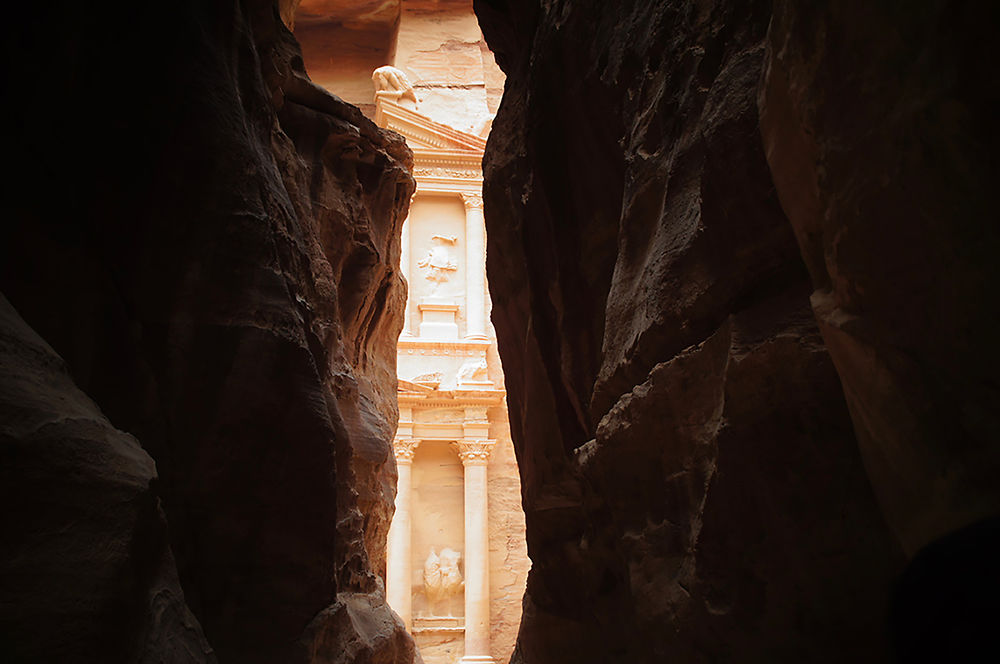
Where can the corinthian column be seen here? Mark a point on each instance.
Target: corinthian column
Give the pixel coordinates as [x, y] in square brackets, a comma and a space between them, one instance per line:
[399, 569]
[474, 455]
[475, 267]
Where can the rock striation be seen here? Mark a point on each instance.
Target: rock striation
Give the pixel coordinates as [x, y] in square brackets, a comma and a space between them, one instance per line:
[692, 484]
[219, 274]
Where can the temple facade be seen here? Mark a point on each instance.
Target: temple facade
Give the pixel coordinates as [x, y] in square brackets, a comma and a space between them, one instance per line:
[456, 561]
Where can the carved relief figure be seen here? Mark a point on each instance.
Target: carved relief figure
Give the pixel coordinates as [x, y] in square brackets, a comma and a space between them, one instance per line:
[438, 262]
[432, 379]
[474, 371]
[393, 84]
[442, 578]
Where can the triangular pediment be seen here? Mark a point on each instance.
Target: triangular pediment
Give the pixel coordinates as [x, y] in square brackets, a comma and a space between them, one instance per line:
[424, 134]
[410, 386]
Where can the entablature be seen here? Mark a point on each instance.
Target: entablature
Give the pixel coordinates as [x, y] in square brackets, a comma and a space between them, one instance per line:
[465, 347]
[452, 398]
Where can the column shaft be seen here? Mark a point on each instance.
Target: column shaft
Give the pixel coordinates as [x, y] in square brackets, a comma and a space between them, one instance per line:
[399, 566]
[477, 553]
[475, 267]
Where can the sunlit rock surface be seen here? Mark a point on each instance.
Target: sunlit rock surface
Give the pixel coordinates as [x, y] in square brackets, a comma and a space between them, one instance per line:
[692, 484]
[218, 273]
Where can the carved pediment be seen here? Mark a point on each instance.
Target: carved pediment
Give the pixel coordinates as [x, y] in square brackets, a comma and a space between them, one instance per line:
[423, 134]
[409, 386]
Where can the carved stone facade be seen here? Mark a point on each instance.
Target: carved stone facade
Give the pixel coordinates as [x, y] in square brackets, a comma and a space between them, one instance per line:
[457, 561]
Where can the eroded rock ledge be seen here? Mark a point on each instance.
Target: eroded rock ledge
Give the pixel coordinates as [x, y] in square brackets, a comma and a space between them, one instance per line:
[209, 241]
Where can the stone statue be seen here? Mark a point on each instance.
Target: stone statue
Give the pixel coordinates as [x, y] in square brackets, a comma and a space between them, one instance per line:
[391, 83]
[432, 379]
[474, 371]
[438, 261]
[442, 578]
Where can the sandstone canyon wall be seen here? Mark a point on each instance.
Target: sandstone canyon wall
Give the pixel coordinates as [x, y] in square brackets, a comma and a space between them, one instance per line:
[210, 243]
[742, 262]
[696, 485]
[878, 124]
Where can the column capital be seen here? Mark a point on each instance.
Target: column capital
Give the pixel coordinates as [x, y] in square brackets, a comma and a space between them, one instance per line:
[474, 452]
[404, 449]
[472, 201]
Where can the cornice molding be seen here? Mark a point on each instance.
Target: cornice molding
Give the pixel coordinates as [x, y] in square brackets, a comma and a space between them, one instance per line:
[421, 128]
[486, 398]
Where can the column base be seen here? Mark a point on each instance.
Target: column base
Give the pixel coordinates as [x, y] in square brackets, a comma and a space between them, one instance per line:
[477, 659]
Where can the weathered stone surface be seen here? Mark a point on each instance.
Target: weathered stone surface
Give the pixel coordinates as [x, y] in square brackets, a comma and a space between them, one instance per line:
[85, 548]
[350, 13]
[219, 275]
[360, 628]
[441, 49]
[437, 45]
[344, 41]
[692, 486]
[879, 125]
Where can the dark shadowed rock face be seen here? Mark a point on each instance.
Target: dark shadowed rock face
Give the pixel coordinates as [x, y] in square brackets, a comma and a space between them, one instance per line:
[88, 575]
[692, 485]
[880, 129]
[217, 269]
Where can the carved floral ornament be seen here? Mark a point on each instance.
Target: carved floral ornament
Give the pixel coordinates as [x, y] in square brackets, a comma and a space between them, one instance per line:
[405, 448]
[473, 201]
[474, 451]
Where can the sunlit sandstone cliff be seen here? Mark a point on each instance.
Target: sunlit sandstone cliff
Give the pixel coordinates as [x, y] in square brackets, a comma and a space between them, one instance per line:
[218, 272]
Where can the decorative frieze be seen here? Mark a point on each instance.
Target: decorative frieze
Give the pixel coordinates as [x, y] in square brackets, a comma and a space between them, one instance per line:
[445, 172]
[476, 415]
